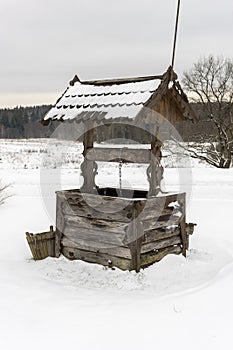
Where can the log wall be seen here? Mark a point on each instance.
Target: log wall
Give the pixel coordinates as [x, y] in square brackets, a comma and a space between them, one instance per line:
[128, 233]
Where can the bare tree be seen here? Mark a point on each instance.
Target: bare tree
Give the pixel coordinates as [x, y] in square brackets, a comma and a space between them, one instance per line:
[210, 83]
[3, 194]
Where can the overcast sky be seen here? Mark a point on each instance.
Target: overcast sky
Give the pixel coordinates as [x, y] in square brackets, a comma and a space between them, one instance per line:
[44, 43]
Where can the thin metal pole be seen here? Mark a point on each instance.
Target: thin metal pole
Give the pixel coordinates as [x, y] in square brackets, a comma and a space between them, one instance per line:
[175, 34]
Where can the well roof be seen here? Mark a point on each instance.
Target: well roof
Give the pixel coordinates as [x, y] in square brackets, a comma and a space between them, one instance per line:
[115, 98]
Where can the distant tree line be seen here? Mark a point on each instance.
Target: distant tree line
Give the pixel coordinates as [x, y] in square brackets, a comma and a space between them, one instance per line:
[24, 122]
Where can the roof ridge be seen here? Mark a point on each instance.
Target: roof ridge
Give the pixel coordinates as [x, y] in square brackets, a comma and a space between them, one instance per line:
[116, 80]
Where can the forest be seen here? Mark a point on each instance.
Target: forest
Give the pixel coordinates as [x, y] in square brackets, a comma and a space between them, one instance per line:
[24, 122]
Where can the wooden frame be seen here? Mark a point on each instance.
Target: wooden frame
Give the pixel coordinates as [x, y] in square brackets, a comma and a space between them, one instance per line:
[128, 233]
[92, 155]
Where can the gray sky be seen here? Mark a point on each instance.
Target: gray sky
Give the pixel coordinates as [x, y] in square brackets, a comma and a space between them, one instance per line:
[44, 43]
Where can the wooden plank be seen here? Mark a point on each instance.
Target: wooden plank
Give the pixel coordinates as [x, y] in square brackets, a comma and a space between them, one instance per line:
[134, 238]
[88, 167]
[150, 212]
[86, 211]
[97, 258]
[95, 224]
[155, 170]
[162, 221]
[51, 242]
[183, 228]
[161, 205]
[96, 246]
[29, 238]
[164, 243]
[119, 154]
[150, 258]
[179, 197]
[118, 208]
[75, 233]
[101, 203]
[59, 225]
[107, 82]
[159, 234]
[44, 245]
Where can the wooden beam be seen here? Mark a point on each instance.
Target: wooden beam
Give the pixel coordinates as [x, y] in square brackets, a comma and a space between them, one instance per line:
[88, 167]
[126, 155]
[155, 170]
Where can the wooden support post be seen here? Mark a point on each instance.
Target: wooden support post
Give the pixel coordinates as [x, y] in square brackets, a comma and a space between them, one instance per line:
[59, 226]
[135, 237]
[88, 167]
[183, 225]
[155, 169]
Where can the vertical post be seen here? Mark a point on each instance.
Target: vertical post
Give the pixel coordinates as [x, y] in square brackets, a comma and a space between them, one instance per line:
[59, 223]
[134, 237]
[155, 169]
[88, 167]
[182, 202]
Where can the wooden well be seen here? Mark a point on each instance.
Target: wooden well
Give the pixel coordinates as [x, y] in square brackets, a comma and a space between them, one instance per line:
[129, 233]
[125, 228]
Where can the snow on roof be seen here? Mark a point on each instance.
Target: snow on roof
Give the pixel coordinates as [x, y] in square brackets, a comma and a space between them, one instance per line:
[109, 99]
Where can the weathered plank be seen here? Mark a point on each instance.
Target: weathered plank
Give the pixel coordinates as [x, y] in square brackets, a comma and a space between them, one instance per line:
[84, 204]
[88, 168]
[184, 235]
[162, 221]
[51, 242]
[75, 233]
[41, 244]
[164, 243]
[124, 215]
[134, 238]
[104, 204]
[150, 212]
[159, 234]
[95, 224]
[162, 205]
[150, 258]
[97, 258]
[119, 154]
[96, 246]
[155, 169]
[59, 225]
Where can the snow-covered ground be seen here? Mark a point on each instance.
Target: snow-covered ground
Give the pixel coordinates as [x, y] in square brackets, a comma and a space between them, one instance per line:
[176, 304]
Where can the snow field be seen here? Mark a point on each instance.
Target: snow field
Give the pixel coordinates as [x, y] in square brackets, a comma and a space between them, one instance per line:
[178, 303]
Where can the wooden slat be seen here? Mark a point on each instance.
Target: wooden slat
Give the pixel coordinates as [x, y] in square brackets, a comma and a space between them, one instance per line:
[156, 206]
[162, 221]
[183, 227]
[31, 243]
[164, 243]
[87, 167]
[95, 224]
[97, 258]
[156, 211]
[59, 225]
[101, 203]
[159, 234]
[96, 246]
[93, 206]
[150, 258]
[134, 238]
[119, 154]
[75, 233]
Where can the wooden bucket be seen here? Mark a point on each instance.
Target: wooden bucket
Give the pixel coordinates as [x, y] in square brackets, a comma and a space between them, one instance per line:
[42, 245]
